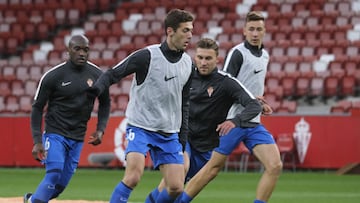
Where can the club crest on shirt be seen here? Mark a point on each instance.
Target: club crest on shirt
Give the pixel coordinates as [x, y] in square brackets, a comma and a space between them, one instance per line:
[210, 90]
[90, 82]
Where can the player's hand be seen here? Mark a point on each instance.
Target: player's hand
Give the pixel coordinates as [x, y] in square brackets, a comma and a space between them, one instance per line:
[266, 108]
[96, 138]
[225, 127]
[38, 152]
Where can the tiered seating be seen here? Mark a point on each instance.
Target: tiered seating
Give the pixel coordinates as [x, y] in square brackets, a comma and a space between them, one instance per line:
[23, 25]
[298, 37]
[316, 29]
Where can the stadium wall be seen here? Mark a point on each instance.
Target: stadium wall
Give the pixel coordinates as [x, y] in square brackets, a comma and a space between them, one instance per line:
[323, 142]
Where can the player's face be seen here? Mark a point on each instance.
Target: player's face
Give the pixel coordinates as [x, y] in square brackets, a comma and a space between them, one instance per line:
[79, 53]
[254, 32]
[206, 60]
[180, 38]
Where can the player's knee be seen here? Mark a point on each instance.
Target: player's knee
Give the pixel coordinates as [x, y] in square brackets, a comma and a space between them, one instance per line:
[274, 168]
[132, 180]
[53, 176]
[174, 191]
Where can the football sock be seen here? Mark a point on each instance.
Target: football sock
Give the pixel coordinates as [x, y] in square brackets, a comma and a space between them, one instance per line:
[121, 193]
[46, 188]
[164, 197]
[259, 201]
[183, 198]
[58, 190]
[152, 196]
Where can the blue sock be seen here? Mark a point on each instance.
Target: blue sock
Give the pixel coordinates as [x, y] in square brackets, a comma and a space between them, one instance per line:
[164, 197]
[46, 188]
[259, 201]
[121, 193]
[152, 196]
[183, 198]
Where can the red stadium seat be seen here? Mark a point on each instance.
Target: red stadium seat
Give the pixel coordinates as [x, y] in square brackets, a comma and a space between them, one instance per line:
[331, 85]
[122, 101]
[288, 84]
[290, 106]
[12, 104]
[347, 86]
[342, 106]
[302, 86]
[17, 88]
[5, 88]
[30, 87]
[25, 104]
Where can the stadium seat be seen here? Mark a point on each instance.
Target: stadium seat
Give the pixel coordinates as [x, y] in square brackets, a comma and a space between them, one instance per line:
[347, 86]
[286, 145]
[342, 106]
[331, 85]
[125, 85]
[302, 86]
[30, 87]
[17, 87]
[22, 72]
[274, 104]
[61, 16]
[8, 72]
[122, 101]
[288, 84]
[35, 72]
[25, 104]
[11, 104]
[288, 106]
[350, 67]
[5, 89]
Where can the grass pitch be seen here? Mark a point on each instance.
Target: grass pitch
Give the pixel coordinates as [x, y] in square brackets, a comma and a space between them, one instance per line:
[229, 187]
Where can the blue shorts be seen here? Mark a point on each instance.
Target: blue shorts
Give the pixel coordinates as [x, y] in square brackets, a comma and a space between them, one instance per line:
[250, 136]
[63, 154]
[197, 160]
[163, 149]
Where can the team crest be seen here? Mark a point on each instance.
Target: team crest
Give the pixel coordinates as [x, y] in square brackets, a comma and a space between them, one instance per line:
[210, 91]
[302, 136]
[90, 82]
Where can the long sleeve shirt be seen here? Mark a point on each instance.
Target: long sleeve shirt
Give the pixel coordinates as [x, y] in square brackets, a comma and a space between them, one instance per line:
[61, 93]
[211, 97]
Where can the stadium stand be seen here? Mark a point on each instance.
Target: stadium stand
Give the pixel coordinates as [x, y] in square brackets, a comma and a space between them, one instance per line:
[314, 45]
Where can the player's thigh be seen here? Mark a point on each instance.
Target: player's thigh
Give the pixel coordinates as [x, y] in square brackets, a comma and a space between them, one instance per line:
[135, 163]
[71, 161]
[186, 162]
[268, 154]
[217, 160]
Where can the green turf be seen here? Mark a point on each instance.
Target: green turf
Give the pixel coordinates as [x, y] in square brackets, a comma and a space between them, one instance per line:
[231, 187]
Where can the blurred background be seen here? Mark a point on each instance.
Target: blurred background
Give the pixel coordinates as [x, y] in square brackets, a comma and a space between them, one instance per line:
[312, 82]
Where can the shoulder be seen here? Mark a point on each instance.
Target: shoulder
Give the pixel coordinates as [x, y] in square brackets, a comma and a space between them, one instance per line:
[93, 67]
[140, 54]
[56, 70]
[236, 51]
[265, 53]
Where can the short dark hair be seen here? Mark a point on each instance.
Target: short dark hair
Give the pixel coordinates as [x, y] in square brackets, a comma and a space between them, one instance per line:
[207, 43]
[177, 16]
[254, 16]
